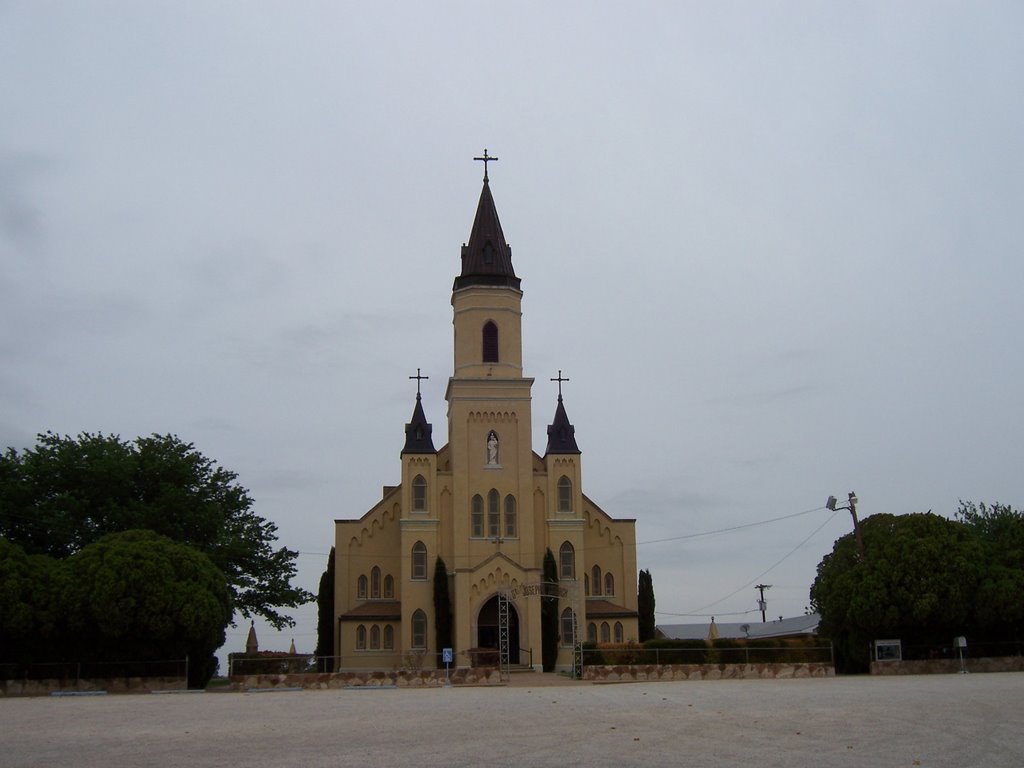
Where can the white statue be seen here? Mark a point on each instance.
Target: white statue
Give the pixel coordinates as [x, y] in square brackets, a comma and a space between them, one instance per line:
[492, 447]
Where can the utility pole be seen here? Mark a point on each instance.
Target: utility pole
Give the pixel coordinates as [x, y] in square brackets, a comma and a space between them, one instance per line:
[762, 603]
[852, 506]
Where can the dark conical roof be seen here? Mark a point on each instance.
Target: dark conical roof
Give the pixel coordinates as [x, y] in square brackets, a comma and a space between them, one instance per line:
[561, 434]
[487, 258]
[417, 432]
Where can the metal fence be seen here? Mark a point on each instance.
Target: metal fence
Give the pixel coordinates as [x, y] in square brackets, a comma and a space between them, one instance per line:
[745, 654]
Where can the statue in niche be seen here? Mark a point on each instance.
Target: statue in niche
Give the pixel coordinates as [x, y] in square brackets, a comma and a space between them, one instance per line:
[492, 447]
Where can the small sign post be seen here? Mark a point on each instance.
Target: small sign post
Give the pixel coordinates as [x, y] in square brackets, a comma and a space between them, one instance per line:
[446, 657]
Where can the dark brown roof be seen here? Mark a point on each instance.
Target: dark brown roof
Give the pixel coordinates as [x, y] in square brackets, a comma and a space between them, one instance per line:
[604, 609]
[486, 258]
[561, 433]
[417, 432]
[381, 610]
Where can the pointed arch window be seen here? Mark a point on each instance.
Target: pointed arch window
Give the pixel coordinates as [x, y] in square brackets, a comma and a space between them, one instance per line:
[618, 631]
[361, 588]
[389, 587]
[419, 561]
[375, 638]
[490, 342]
[361, 638]
[419, 629]
[591, 632]
[595, 579]
[375, 583]
[566, 561]
[389, 637]
[609, 584]
[510, 516]
[565, 494]
[493, 519]
[606, 632]
[477, 516]
[419, 494]
[568, 627]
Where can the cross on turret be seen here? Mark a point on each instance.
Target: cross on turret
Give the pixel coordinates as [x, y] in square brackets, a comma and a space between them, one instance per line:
[420, 378]
[560, 379]
[486, 159]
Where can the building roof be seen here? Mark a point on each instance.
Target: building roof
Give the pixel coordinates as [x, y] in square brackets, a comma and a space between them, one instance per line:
[601, 609]
[797, 625]
[417, 431]
[486, 258]
[561, 433]
[380, 610]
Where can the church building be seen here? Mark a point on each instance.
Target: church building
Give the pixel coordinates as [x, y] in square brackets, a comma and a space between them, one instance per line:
[486, 503]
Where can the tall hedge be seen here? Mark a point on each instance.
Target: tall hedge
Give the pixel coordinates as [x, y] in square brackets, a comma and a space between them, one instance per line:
[549, 613]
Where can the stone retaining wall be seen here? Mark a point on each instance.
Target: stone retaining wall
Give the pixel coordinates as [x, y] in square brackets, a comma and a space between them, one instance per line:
[637, 672]
[948, 666]
[111, 685]
[399, 679]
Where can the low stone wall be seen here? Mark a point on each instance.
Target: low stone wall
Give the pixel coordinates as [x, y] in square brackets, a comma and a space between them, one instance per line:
[111, 685]
[398, 679]
[948, 666]
[651, 672]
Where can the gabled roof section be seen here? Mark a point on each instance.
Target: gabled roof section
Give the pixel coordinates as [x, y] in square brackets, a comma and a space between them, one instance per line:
[596, 609]
[417, 432]
[486, 258]
[561, 434]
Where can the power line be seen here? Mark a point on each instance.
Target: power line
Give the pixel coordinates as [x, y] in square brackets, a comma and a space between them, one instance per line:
[731, 528]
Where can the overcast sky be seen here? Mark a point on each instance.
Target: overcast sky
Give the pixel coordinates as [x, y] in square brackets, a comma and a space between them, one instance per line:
[776, 247]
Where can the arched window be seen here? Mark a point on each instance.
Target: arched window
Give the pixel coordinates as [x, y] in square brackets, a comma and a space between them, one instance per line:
[477, 517]
[419, 629]
[591, 632]
[510, 516]
[596, 579]
[361, 588]
[389, 637]
[566, 561]
[568, 627]
[618, 631]
[419, 560]
[490, 341]
[360, 638]
[375, 583]
[586, 585]
[565, 494]
[419, 494]
[609, 584]
[606, 632]
[374, 638]
[493, 520]
[389, 587]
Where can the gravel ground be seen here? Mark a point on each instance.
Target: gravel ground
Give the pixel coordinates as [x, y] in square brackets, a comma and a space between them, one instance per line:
[941, 720]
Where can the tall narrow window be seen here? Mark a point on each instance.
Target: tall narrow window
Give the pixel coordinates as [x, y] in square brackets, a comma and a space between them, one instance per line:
[375, 638]
[419, 629]
[361, 588]
[375, 583]
[419, 560]
[609, 584]
[586, 585]
[360, 638]
[493, 530]
[618, 631]
[596, 579]
[490, 340]
[591, 632]
[568, 628]
[565, 494]
[566, 561]
[389, 637]
[419, 494]
[606, 632]
[510, 516]
[477, 517]
[389, 587]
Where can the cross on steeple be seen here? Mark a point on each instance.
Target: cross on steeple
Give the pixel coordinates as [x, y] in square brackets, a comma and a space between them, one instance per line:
[560, 379]
[420, 378]
[486, 159]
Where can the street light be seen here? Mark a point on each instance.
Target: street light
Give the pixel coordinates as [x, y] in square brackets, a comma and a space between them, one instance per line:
[852, 506]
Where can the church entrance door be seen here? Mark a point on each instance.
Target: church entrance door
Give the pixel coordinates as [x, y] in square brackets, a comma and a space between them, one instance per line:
[487, 628]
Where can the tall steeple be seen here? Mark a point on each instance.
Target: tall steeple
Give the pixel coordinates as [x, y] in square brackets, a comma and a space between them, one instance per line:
[486, 258]
[417, 431]
[561, 433]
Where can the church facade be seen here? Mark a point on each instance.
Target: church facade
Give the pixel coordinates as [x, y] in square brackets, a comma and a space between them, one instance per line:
[486, 503]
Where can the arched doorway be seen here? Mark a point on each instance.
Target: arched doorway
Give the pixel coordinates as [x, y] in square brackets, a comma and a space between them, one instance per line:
[487, 628]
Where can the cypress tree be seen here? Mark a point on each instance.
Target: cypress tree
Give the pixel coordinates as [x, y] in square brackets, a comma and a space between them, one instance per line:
[645, 605]
[442, 609]
[549, 613]
[325, 615]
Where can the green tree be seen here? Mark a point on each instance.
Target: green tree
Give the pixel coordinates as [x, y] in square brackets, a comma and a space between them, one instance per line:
[645, 606]
[999, 603]
[139, 596]
[549, 613]
[442, 608]
[67, 493]
[918, 582]
[325, 616]
[30, 612]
